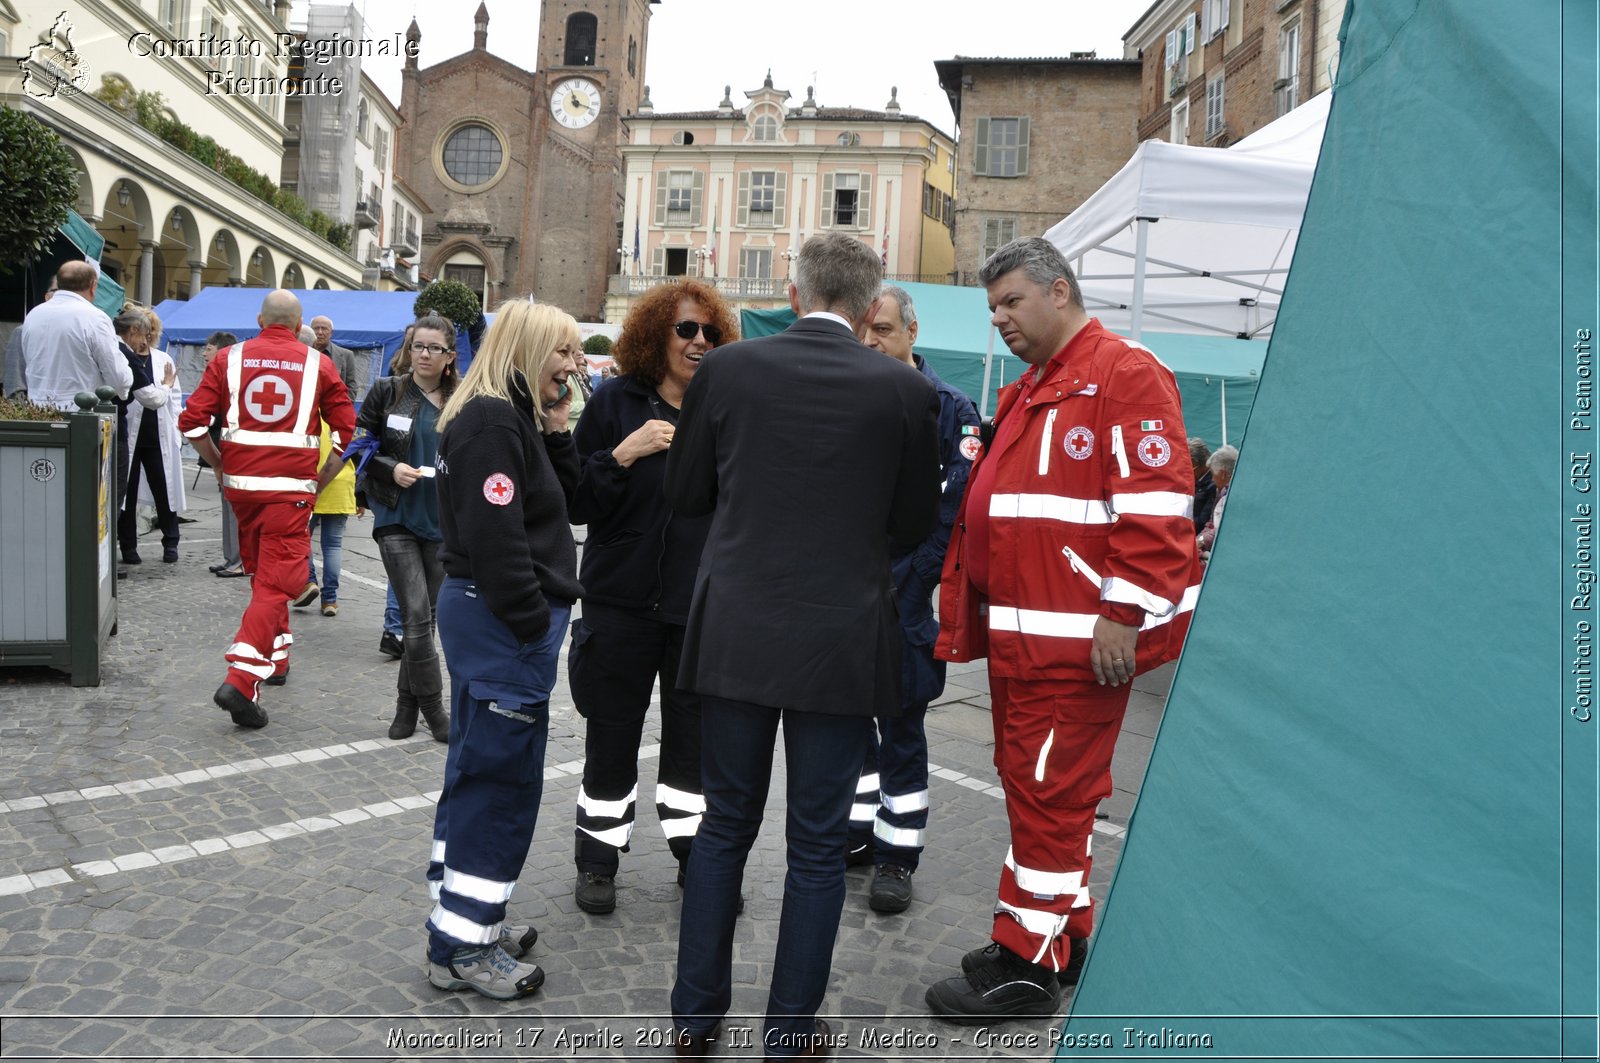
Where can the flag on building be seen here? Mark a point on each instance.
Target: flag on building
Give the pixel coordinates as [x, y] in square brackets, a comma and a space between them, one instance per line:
[884, 255]
[711, 245]
[636, 239]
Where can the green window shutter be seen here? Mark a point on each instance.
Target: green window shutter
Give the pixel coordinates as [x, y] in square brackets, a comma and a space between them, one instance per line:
[864, 202]
[697, 199]
[1022, 146]
[780, 196]
[980, 148]
[661, 198]
[825, 215]
[742, 216]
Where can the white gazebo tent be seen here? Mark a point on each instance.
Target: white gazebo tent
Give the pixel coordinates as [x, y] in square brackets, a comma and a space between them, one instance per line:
[1193, 239]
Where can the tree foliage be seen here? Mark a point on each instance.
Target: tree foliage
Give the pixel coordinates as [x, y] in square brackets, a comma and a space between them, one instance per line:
[451, 299]
[597, 346]
[39, 187]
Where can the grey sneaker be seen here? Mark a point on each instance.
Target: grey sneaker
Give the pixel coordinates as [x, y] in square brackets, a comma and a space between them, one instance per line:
[489, 971]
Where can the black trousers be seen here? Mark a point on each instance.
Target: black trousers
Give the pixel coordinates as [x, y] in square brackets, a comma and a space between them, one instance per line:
[147, 459]
[616, 657]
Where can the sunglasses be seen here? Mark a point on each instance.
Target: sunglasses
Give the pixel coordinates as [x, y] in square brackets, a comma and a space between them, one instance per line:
[687, 329]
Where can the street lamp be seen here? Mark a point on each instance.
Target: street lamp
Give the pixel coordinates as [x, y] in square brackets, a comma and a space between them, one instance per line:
[705, 255]
[622, 260]
[124, 194]
[788, 256]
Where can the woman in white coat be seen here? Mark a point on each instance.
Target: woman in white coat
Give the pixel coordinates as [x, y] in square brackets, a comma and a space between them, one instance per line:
[154, 447]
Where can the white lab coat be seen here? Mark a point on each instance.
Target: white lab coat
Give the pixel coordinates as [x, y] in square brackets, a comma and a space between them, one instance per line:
[164, 404]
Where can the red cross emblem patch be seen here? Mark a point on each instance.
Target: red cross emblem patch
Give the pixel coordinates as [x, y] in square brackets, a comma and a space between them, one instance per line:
[499, 489]
[1079, 442]
[268, 398]
[1155, 451]
[969, 447]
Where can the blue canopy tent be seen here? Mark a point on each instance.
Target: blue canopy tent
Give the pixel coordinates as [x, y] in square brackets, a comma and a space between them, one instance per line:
[369, 323]
[1217, 375]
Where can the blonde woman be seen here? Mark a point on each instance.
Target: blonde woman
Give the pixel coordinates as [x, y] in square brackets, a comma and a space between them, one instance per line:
[507, 469]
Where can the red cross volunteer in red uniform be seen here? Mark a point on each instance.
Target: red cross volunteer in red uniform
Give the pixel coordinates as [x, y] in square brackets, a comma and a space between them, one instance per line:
[270, 394]
[1072, 568]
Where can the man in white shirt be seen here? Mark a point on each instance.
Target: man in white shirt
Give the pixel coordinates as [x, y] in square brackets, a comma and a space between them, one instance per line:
[68, 344]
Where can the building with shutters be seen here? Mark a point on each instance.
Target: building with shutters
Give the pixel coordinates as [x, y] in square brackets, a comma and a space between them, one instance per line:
[1038, 137]
[1214, 71]
[730, 194]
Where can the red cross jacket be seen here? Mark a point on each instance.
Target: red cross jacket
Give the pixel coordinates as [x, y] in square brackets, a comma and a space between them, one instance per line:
[1089, 516]
[269, 393]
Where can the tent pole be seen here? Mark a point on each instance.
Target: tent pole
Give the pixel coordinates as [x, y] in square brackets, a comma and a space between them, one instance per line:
[988, 369]
[1224, 412]
[1141, 248]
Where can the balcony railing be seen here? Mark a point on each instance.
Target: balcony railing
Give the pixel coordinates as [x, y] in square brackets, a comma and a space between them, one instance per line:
[366, 214]
[404, 243]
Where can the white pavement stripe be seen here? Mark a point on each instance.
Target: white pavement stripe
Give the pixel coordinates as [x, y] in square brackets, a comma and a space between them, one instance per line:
[184, 778]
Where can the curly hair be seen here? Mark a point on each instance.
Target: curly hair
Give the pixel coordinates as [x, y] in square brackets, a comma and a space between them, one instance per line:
[641, 350]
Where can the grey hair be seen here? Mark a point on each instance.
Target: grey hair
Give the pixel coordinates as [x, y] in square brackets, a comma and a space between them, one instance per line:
[129, 320]
[1223, 459]
[838, 273]
[902, 299]
[1038, 259]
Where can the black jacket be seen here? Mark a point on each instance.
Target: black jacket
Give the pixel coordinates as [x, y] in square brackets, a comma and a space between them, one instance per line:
[393, 397]
[503, 494]
[1205, 500]
[639, 554]
[814, 453]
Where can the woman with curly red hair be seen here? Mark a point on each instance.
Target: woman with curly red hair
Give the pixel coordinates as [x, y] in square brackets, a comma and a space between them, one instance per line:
[638, 573]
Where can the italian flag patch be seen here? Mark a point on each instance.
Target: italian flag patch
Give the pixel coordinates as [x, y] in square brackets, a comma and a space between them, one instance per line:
[1150, 426]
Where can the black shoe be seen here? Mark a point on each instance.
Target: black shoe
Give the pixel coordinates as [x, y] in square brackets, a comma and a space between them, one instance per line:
[218, 567]
[245, 712]
[278, 680]
[169, 554]
[891, 888]
[1078, 950]
[1006, 987]
[860, 856]
[595, 894]
[130, 556]
[391, 646]
[686, 1045]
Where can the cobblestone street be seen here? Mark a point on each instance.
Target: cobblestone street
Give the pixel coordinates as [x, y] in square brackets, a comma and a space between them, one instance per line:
[174, 886]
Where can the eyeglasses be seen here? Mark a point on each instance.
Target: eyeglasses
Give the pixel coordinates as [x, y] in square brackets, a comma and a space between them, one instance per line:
[429, 348]
[687, 329]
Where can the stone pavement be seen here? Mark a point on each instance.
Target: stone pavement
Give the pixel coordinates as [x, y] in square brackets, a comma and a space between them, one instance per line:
[174, 886]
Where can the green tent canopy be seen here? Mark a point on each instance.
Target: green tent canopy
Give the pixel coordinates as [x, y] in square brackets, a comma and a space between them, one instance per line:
[1217, 375]
[1368, 825]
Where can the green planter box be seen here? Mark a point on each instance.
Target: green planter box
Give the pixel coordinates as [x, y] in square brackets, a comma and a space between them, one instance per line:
[58, 505]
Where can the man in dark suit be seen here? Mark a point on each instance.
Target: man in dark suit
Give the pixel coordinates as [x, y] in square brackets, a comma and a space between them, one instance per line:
[815, 456]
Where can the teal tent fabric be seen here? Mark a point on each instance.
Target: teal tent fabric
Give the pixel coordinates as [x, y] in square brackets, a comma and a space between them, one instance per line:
[108, 294]
[953, 334]
[1368, 827]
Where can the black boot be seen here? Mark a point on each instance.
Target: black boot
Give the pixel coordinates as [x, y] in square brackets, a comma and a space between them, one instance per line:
[438, 722]
[405, 720]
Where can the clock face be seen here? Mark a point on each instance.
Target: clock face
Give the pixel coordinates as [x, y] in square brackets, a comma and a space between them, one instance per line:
[575, 102]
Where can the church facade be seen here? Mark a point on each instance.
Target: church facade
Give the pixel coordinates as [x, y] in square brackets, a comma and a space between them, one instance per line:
[523, 167]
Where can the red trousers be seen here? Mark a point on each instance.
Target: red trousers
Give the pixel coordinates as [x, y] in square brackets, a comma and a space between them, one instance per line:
[1052, 747]
[274, 545]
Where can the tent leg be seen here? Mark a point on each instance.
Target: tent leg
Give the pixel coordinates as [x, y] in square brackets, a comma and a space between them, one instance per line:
[988, 371]
[1140, 252]
[1224, 384]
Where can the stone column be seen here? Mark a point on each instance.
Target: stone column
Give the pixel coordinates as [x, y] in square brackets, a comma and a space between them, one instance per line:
[147, 269]
[195, 280]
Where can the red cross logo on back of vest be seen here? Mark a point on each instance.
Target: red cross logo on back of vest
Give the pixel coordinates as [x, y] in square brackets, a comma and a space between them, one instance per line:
[268, 398]
[1155, 451]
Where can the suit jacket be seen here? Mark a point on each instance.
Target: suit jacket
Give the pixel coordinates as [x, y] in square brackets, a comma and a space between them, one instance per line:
[344, 360]
[815, 456]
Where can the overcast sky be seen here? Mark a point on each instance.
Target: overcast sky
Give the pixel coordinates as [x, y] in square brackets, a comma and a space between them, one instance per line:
[851, 50]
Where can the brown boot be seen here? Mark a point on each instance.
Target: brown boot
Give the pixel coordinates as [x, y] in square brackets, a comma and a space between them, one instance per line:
[438, 722]
[405, 721]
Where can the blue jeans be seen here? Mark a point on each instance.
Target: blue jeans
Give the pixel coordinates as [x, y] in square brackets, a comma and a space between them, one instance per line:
[494, 770]
[332, 525]
[823, 756]
[391, 613]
